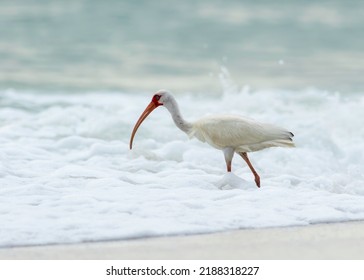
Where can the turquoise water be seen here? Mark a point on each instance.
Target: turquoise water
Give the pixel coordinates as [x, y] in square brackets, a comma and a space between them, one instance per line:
[144, 45]
[69, 71]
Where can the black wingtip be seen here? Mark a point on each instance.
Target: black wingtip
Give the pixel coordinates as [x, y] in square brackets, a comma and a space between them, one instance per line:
[292, 135]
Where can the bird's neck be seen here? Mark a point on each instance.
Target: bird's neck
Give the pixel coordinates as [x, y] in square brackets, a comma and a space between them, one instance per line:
[180, 122]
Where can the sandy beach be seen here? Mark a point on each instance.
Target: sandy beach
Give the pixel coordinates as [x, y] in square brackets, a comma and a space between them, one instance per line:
[322, 241]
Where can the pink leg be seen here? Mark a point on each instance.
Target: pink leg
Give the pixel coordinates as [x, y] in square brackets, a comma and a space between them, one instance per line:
[256, 176]
[228, 166]
[228, 153]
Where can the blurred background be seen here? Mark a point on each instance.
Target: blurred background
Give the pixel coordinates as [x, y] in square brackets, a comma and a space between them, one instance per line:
[92, 45]
[75, 75]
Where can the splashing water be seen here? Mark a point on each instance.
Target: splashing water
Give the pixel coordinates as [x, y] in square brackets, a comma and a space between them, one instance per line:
[67, 174]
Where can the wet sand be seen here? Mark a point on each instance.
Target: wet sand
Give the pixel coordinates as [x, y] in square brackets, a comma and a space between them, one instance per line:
[322, 241]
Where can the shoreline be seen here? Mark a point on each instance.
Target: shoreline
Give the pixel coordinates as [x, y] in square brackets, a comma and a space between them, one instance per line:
[320, 241]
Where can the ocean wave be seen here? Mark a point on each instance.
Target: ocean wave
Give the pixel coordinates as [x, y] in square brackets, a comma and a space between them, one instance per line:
[67, 174]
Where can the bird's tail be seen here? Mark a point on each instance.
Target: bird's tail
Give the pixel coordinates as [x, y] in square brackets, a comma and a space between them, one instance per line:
[282, 143]
[285, 141]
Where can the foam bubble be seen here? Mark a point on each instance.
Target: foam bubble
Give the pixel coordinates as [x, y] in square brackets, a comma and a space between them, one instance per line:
[67, 174]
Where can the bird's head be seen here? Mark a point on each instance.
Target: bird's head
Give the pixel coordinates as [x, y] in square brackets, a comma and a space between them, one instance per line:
[160, 98]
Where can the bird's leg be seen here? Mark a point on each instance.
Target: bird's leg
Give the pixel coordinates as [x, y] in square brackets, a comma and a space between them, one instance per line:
[228, 153]
[257, 178]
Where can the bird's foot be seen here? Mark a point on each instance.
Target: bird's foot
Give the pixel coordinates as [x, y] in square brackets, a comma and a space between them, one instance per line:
[257, 181]
[231, 181]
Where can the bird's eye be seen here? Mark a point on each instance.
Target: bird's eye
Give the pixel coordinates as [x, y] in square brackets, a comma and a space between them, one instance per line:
[157, 97]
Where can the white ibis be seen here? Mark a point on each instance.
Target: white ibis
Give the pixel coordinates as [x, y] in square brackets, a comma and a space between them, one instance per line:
[231, 134]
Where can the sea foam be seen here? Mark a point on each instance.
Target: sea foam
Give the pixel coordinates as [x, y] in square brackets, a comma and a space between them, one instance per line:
[67, 174]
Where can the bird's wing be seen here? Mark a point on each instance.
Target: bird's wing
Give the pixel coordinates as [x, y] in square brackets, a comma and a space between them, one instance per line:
[233, 131]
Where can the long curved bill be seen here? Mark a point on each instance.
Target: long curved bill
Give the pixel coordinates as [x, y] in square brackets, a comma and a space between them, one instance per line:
[142, 117]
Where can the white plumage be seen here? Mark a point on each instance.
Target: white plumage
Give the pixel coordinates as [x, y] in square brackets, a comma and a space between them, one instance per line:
[231, 134]
[242, 134]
